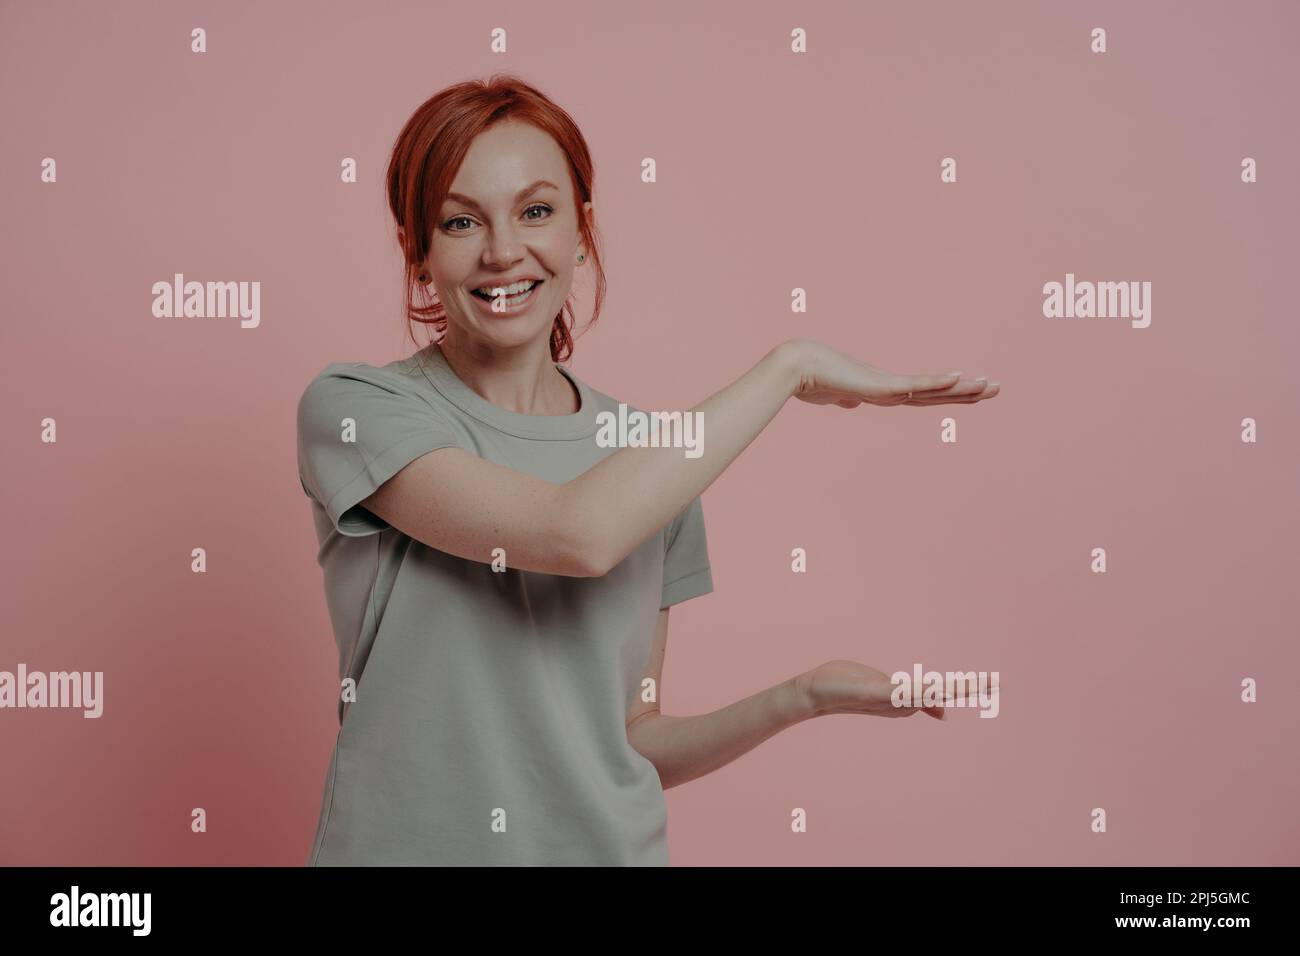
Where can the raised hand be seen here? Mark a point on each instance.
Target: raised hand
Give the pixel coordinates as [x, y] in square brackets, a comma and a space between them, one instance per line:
[847, 687]
[829, 377]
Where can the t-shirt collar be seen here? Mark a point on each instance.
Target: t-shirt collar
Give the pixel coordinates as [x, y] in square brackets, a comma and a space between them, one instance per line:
[443, 378]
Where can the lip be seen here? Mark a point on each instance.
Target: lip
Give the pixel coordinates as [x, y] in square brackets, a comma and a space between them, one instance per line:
[485, 306]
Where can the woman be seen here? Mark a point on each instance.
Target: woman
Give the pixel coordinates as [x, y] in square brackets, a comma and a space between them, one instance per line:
[499, 582]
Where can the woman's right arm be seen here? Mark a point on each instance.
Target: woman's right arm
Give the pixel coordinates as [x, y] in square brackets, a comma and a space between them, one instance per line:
[456, 502]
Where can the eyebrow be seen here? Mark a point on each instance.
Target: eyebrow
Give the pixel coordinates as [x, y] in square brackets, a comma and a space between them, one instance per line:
[527, 190]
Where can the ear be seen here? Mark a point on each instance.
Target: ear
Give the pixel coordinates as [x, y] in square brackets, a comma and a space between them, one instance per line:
[586, 214]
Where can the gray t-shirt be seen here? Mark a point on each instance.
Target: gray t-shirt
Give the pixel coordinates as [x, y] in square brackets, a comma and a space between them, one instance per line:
[489, 725]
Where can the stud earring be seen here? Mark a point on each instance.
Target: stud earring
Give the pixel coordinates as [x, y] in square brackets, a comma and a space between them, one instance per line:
[582, 259]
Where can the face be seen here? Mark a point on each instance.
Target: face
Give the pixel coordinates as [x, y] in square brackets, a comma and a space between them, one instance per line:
[499, 225]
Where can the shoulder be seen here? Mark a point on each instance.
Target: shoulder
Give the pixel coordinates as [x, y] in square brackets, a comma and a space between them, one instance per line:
[349, 384]
[399, 375]
[394, 372]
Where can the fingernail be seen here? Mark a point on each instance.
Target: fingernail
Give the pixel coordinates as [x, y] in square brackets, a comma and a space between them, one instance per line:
[955, 373]
[982, 379]
[994, 384]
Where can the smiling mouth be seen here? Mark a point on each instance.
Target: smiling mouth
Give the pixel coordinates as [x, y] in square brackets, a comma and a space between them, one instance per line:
[509, 300]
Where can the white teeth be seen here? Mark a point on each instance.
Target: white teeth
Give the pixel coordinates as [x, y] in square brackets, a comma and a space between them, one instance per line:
[515, 289]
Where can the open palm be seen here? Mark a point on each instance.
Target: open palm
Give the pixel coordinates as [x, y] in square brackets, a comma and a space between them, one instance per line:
[847, 687]
[829, 377]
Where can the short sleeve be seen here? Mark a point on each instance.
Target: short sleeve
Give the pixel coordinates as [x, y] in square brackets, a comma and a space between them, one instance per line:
[358, 425]
[686, 557]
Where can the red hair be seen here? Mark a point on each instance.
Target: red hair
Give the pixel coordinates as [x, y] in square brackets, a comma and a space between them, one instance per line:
[428, 154]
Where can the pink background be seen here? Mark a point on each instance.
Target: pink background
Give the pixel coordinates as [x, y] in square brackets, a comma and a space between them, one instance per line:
[775, 171]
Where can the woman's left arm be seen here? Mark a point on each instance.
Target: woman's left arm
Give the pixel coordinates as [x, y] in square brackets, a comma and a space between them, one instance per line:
[683, 748]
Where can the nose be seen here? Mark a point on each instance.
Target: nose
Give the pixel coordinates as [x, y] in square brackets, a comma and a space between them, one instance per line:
[503, 247]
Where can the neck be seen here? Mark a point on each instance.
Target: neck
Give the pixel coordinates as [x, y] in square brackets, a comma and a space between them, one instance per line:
[523, 380]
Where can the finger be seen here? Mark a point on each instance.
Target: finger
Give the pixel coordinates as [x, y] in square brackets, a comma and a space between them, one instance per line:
[967, 387]
[966, 695]
[937, 711]
[956, 398]
[913, 386]
[891, 711]
[930, 383]
[958, 388]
